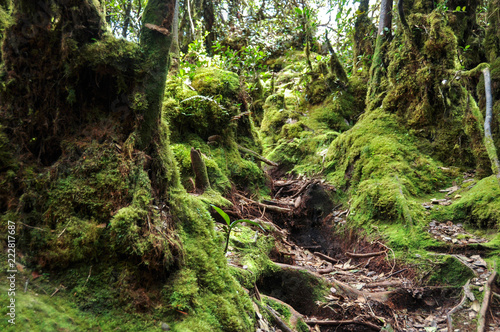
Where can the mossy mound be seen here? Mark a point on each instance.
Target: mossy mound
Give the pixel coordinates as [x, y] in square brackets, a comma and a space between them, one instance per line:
[480, 206]
[378, 163]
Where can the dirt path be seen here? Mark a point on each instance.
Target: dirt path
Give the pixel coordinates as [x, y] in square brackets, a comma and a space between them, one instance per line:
[370, 289]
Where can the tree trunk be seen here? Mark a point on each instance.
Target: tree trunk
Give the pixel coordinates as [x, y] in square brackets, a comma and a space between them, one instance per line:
[488, 138]
[209, 19]
[175, 32]
[156, 46]
[377, 69]
[126, 22]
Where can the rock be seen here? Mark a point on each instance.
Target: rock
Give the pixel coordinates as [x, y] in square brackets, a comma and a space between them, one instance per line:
[165, 326]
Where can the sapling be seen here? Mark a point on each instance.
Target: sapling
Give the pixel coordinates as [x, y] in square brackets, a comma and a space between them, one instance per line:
[230, 225]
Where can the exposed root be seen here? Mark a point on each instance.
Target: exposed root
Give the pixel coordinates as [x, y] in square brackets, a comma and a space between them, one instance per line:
[342, 322]
[458, 306]
[367, 255]
[481, 324]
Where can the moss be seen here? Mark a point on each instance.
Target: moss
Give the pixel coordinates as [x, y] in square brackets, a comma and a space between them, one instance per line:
[214, 82]
[379, 164]
[451, 272]
[480, 206]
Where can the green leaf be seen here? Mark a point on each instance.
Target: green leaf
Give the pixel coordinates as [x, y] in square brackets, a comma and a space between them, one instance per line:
[298, 10]
[223, 214]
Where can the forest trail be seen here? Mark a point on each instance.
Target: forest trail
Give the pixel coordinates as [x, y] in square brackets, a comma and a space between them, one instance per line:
[369, 288]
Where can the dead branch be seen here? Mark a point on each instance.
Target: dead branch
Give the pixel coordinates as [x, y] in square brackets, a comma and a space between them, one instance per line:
[341, 322]
[367, 255]
[326, 258]
[256, 155]
[269, 207]
[457, 307]
[481, 324]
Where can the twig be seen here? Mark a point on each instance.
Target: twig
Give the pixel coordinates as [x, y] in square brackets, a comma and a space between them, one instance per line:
[41, 229]
[341, 322]
[394, 255]
[326, 258]
[457, 307]
[397, 272]
[88, 277]
[481, 324]
[367, 255]
[64, 230]
[256, 155]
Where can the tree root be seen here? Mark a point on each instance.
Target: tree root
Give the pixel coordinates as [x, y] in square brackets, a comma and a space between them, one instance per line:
[326, 258]
[296, 316]
[481, 324]
[457, 307]
[342, 322]
[367, 255]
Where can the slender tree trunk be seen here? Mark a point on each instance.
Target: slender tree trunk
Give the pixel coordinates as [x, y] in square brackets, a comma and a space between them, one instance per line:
[126, 22]
[385, 21]
[209, 18]
[156, 46]
[377, 70]
[175, 31]
[488, 139]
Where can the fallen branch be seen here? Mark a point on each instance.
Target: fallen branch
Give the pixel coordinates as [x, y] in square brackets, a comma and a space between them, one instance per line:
[367, 255]
[269, 207]
[457, 307]
[481, 324]
[256, 155]
[342, 322]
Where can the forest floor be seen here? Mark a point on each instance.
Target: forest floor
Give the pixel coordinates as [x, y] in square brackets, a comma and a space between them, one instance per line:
[370, 288]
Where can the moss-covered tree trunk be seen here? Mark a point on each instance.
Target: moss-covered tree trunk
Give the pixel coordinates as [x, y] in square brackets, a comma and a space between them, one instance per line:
[155, 40]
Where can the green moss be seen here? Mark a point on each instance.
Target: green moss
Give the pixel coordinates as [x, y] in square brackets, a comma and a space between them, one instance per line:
[214, 82]
[378, 162]
[480, 206]
[451, 272]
